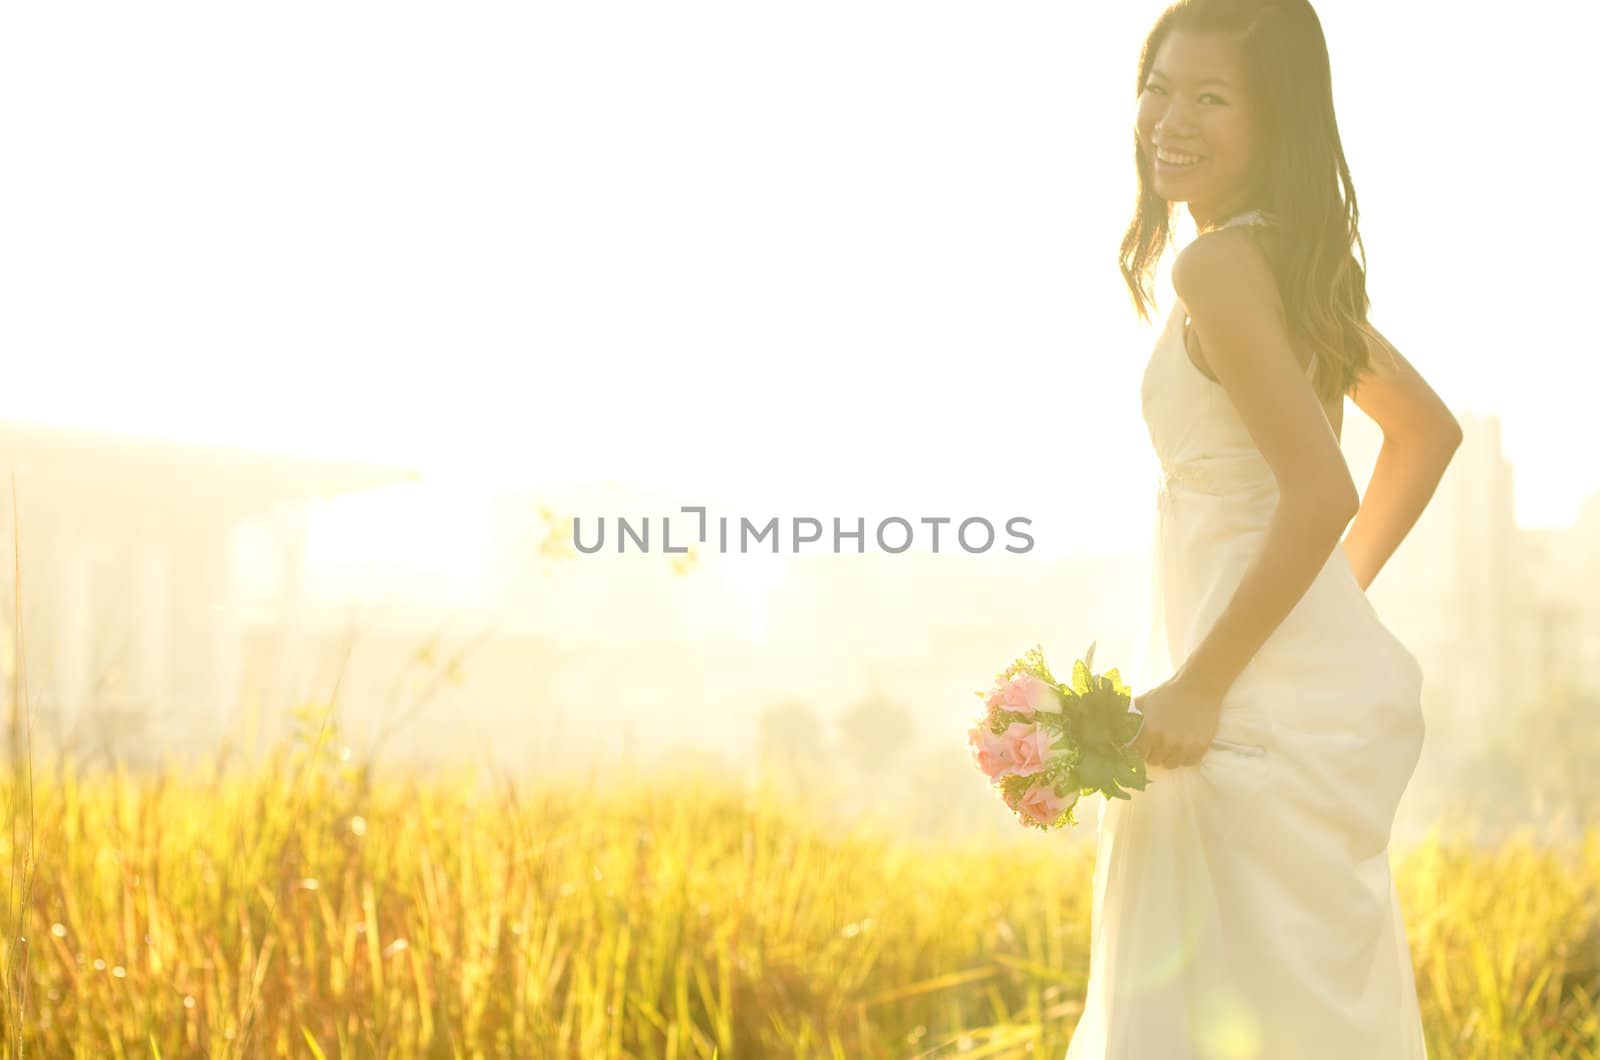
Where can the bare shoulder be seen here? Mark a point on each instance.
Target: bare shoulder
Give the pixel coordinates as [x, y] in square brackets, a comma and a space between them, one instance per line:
[1226, 269]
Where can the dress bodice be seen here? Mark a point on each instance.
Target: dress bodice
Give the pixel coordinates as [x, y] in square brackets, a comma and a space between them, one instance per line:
[1197, 433]
[1216, 497]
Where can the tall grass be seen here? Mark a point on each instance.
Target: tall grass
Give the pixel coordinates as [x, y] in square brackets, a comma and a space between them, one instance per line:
[314, 907]
[311, 906]
[20, 852]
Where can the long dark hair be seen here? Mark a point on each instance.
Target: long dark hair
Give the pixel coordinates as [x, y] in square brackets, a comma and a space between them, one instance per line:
[1303, 182]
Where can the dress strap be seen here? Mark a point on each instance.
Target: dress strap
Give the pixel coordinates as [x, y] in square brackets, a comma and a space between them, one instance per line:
[1249, 217]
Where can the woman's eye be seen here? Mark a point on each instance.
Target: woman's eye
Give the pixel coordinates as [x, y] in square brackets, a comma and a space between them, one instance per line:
[1156, 89]
[1213, 98]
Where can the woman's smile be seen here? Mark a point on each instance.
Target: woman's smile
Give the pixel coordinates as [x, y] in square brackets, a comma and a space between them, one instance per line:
[1171, 163]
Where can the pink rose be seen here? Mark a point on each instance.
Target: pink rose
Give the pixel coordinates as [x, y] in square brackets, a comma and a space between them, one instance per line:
[1025, 694]
[1043, 806]
[989, 752]
[1019, 694]
[1027, 747]
[1043, 698]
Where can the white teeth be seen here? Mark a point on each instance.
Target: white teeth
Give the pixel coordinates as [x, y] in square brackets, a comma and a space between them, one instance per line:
[1176, 158]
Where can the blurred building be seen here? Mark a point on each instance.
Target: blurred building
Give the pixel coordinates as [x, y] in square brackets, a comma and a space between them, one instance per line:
[149, 625]
[1560, 600]
[130, 626]
[1493, 612]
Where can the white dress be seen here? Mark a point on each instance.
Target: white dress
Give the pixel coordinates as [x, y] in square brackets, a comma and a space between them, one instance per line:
[1243, 907]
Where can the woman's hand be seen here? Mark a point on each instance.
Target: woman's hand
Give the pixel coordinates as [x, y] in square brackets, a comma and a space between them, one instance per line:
[1179, 722]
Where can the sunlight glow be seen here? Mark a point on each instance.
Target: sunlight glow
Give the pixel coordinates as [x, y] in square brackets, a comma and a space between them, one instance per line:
[558, 251]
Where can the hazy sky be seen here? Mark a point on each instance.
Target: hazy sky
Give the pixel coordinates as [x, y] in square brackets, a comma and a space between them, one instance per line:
[840, 253]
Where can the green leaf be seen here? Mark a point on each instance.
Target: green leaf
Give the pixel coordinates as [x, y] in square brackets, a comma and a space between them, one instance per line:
[1080, 678]
[1130, 772]
[1095, 771]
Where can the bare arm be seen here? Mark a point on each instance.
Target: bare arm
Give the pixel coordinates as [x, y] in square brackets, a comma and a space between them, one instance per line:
[1419, 438]
[1228, 288]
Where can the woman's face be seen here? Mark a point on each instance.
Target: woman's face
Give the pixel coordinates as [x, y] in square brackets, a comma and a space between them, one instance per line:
[1196, 124]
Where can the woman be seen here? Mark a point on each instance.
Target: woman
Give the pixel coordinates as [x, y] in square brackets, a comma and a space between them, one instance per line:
[1243, 903]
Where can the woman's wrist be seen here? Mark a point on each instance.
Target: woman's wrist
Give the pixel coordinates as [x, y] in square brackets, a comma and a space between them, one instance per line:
[1202, 687]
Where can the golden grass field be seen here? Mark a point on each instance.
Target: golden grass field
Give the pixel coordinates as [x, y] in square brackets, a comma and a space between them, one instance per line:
[312, 908]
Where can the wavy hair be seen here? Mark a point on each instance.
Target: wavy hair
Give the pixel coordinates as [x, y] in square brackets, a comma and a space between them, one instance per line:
[1302, 182]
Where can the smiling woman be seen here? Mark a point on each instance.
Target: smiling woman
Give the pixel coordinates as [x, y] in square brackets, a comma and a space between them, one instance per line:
[1197, 124]
[1236, 113]
[1243, 906]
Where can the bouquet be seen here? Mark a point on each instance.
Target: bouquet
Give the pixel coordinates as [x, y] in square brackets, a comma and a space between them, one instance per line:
[1043, 744]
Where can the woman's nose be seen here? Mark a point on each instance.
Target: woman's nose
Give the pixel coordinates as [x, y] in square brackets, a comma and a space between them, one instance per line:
[1176, 120]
